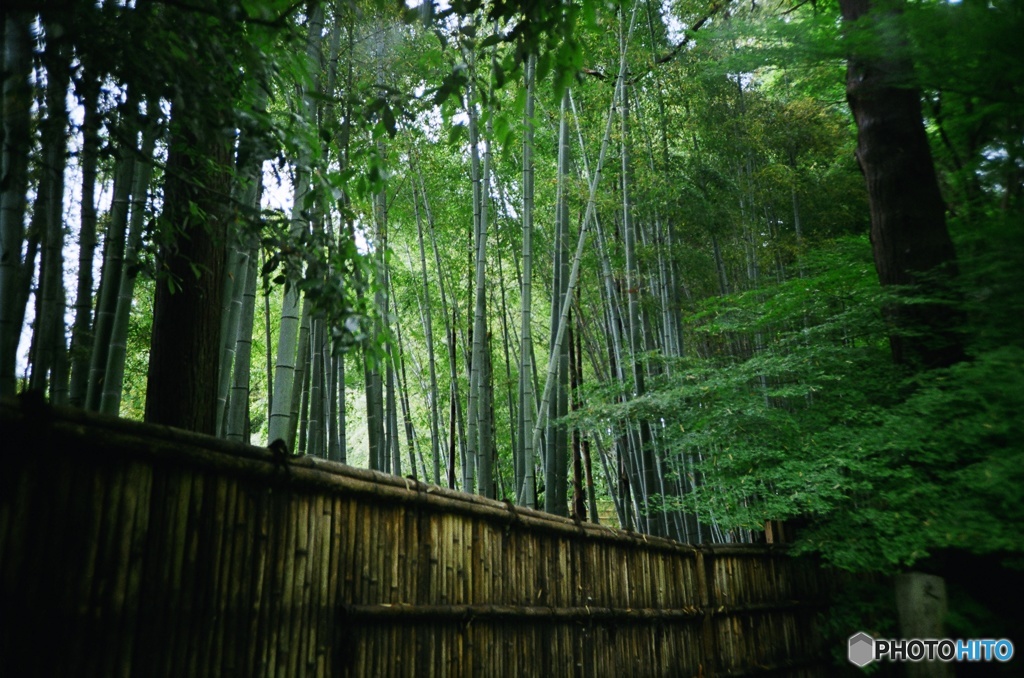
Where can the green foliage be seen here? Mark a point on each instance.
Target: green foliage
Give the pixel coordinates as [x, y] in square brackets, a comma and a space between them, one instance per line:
[136, 364]
[332, 274]
[816, 423]
[950, 469]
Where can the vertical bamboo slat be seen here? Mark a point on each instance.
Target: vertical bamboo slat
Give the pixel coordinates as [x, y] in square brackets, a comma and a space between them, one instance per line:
[100, 585]
[175, 494]
[304, 549]
[320, 596]
[261, 558]
[236, 575]
[70, 543]
[195, 595]
[140, 479]
[225, 507]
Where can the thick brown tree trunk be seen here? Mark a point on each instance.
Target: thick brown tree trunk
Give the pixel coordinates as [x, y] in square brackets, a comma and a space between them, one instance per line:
[184, 358]
[908, 220]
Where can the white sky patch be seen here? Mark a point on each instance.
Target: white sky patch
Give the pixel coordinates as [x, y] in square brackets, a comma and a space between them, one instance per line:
[439, 5]
[278, 193]
[675, 29]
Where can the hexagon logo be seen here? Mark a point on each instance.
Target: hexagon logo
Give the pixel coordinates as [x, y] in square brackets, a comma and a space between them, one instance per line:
[862, 649]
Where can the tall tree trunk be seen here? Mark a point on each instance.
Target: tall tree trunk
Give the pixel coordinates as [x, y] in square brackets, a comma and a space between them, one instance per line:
[588, 467]
[268, 339]
[482, 345]
[579, 510]
[480, 191]
[485, 465]
[50, 350]
[402, 386]
[185, 353]
[555, 461]
[285, 378]
[508, 347]
[114, 243]
[81, 333]
[392, 446]
[296, 409]
[339, 451]
[238, 403]
[457, 430]
[235, 367]
[113, 379]
[234, 294]
[300, 396]
[375, 421]
[315, 423]
[453, 435]
[908, 222]
[525, 484]
[633, 285]
[17, 142]
[428, 329]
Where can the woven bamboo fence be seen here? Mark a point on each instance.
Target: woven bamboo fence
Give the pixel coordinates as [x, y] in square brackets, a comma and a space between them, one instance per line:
[134, 550]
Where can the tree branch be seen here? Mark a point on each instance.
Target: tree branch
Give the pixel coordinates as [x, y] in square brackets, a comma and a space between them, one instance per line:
[688, 35]
[244, 17]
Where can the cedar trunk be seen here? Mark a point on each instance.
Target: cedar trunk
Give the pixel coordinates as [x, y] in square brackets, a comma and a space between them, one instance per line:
[908, 221]
[185, 353]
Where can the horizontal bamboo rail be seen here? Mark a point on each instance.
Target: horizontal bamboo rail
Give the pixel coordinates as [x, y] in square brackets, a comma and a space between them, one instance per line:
[135, 550]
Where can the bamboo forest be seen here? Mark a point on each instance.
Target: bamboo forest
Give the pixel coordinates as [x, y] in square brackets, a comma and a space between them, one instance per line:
[709, 270]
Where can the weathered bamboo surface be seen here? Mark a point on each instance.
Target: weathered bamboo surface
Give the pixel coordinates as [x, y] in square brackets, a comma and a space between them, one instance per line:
[135, 550]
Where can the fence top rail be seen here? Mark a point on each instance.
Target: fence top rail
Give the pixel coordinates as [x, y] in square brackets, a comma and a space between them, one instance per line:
[28, 419]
